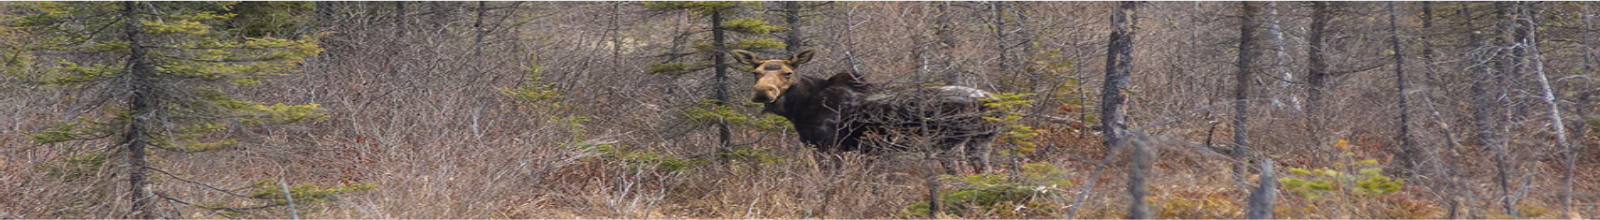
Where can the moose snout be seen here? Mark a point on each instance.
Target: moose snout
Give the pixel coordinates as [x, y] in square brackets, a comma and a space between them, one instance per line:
[765, 94]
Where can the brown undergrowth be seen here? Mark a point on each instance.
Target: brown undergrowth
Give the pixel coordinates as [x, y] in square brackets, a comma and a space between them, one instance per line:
[546, 122]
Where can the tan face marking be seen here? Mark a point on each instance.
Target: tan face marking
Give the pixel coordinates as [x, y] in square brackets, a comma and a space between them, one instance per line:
[772, 76]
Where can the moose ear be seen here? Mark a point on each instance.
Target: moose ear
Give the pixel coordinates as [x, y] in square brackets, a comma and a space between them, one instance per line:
[745, 57]
[802, 57]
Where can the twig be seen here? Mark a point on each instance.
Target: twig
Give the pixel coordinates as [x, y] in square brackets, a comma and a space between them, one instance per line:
[1099, 168]
[197, 182]
[289, 199]
[230, 209]
[1138, 132]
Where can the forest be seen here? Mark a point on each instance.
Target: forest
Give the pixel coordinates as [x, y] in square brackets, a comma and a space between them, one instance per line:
[277, 109]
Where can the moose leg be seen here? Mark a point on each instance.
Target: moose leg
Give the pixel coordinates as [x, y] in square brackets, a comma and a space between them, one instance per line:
[950, 152]
[949, 163]
[827, 159]
[977, 150]
[977, 156]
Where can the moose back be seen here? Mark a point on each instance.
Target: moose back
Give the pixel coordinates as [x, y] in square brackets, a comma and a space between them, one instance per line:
[841, 113]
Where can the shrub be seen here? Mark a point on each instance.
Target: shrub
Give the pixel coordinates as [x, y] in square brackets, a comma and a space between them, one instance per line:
[999, 194]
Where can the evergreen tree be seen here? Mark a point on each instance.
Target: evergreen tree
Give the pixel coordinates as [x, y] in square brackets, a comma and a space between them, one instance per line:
[728, 31]
[153, 75]
[280, 19]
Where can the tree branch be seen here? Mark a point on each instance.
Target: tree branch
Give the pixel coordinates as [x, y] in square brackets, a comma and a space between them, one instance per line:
[229, 192]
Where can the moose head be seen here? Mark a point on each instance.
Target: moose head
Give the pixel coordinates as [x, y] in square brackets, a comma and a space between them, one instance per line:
[773, 77]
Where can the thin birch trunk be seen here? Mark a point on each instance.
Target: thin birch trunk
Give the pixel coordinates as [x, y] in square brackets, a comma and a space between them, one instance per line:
[1281, 64]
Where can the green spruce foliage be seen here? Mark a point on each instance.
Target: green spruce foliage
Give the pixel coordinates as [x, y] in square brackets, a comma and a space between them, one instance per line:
[1006, 195]
[744, 34]
[1007, 110]
[281, 19]
[730, 28]
[154, 75]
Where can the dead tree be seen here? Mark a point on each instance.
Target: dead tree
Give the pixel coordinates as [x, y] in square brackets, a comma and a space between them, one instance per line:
[1535, 60]
[792, 39]
[1509, 60]
[1241, 92]
[399, 20]
[1318, 72]
[944, 31]
[142, 102]
[1405, 155]
[1119, 61]
[1264, 194]
[1584, 100]
[1281, 63]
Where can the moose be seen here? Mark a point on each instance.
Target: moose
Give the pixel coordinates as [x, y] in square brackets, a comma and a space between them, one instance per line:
[842, 113]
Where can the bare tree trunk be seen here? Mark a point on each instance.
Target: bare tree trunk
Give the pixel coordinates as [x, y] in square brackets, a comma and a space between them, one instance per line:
[1584, 100]
[399, 19]
[919, 50]
[1119, 61]
[440, 18]
[1318, 73]
[1281, 64]
[1536, 60]
[479, 32]
[943, 31]
[932, 182]
[616, 33]
[1265, 193]
[325, 14]
[1482, 94]
[791, 15]
[1427, 45]
[1509, 62]
[1001, 45]
[1406, 154]
[1452, 189]
[718, 37]
[142, 104]
[1480, 75]
[850, 43]
[1241, 92]
[1517, 67]
[1138, 184]
[1027, 36]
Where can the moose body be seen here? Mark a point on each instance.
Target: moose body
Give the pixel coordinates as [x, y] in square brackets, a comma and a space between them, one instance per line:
[841, 113]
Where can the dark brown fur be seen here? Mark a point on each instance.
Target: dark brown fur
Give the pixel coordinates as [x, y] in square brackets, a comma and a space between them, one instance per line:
[840, 113]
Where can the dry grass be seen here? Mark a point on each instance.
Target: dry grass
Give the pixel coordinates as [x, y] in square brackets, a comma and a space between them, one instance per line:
[418, 117]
